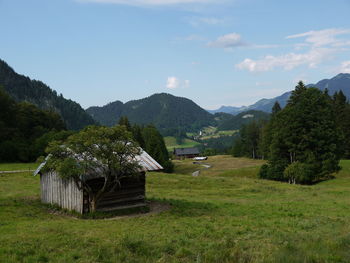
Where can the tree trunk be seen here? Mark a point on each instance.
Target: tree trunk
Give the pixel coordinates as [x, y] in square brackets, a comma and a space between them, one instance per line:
[93, 204]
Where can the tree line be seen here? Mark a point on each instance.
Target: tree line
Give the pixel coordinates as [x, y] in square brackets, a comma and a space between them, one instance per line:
[22, 88]
[149, 139]
[302, 142]
[25, 130]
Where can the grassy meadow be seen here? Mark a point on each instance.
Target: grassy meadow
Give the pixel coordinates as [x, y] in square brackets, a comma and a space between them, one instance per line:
[224, 215]
[171, 143]
[17, 166]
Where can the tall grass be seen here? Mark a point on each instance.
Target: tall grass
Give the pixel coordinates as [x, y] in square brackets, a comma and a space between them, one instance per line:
[224, 215]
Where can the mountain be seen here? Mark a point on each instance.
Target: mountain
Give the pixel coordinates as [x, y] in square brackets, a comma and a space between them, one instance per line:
[226, 109]
[235, 122]
[22, 88]
[337, 83]
[167, 112]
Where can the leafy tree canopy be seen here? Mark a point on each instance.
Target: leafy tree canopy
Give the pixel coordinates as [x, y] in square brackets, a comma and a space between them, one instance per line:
[109, 152]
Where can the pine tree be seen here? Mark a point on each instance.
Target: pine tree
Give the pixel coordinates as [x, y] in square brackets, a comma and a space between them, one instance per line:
[276, 108]
[305, 131]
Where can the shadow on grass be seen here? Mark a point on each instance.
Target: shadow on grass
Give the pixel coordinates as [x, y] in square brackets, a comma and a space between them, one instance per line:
[184, 208]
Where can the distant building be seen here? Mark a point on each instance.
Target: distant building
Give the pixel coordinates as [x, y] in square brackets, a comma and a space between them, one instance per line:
[181, 153]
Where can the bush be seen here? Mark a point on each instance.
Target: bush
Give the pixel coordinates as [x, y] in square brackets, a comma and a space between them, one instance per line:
[168, 167]
[263, 173]
[299, 173]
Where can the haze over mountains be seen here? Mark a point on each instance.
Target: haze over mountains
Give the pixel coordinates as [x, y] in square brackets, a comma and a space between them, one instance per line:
[337, 83]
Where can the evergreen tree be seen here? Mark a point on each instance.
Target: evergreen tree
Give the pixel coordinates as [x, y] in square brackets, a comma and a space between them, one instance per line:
[276, 108]
[21, 124]
[248, 142]
[137, 135]
[305, 131]
[125, 121]
[342, 118]
[155, 146]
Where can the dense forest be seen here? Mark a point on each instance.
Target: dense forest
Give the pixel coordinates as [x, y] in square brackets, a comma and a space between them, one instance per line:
[150, 139]
[302, 142]
[22, 88]
[25, 130]
[168, 113]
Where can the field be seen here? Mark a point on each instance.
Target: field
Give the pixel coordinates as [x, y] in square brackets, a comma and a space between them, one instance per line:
[225, 214]
[171, 143]
[17, 166]
[211, 132]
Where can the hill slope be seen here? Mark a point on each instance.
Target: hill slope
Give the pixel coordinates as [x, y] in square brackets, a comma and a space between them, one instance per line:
[22, 88]
[235, 122]
[167, 112]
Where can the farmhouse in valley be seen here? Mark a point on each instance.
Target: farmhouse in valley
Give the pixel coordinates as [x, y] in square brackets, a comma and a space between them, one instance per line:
[181, 153]
[66, 194]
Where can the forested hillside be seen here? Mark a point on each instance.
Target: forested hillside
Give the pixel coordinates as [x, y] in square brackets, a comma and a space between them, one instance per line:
[230, 122]
[25, 130]
[168, 113]
[22, 88]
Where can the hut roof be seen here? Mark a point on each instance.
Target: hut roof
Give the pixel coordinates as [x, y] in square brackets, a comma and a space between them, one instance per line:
[186, 151]
[146, 162]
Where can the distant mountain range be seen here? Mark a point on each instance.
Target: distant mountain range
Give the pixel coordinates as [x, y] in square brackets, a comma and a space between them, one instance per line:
[22, 88]
[168, 113]
[337, 83]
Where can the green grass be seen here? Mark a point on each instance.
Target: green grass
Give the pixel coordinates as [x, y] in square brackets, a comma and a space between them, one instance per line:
[18, 166]
[171, 143]
[211, 132]
[224, 215]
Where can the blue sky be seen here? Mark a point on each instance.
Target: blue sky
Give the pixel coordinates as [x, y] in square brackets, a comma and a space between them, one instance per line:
[215, 52]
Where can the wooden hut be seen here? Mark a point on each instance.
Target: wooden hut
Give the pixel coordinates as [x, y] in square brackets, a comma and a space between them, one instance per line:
[66, 194]
[181, 153]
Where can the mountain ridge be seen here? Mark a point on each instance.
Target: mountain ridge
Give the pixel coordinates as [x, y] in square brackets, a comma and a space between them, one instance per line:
[22, 88]
[167, 112]
[339, 82]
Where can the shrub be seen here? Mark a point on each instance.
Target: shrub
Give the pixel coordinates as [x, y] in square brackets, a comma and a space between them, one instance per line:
[299, 173]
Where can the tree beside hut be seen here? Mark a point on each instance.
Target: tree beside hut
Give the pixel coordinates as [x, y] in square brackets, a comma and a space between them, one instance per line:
[97, 169]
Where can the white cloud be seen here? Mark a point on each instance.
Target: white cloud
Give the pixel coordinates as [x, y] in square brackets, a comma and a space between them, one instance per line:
[288, 61]
[322, 37]
[172, 83]
[345, 67]
[228, 41]
[319, 46]
[150, 2]
[211, 21]
[175, 83]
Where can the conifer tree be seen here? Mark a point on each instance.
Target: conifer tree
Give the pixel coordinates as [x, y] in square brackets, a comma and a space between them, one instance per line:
[304, 132]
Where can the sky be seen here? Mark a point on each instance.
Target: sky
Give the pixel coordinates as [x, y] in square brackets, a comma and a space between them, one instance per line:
[214, 52]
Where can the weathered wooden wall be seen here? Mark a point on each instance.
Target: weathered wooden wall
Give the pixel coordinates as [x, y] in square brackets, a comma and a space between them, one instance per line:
[130, 194]
[63, 193]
